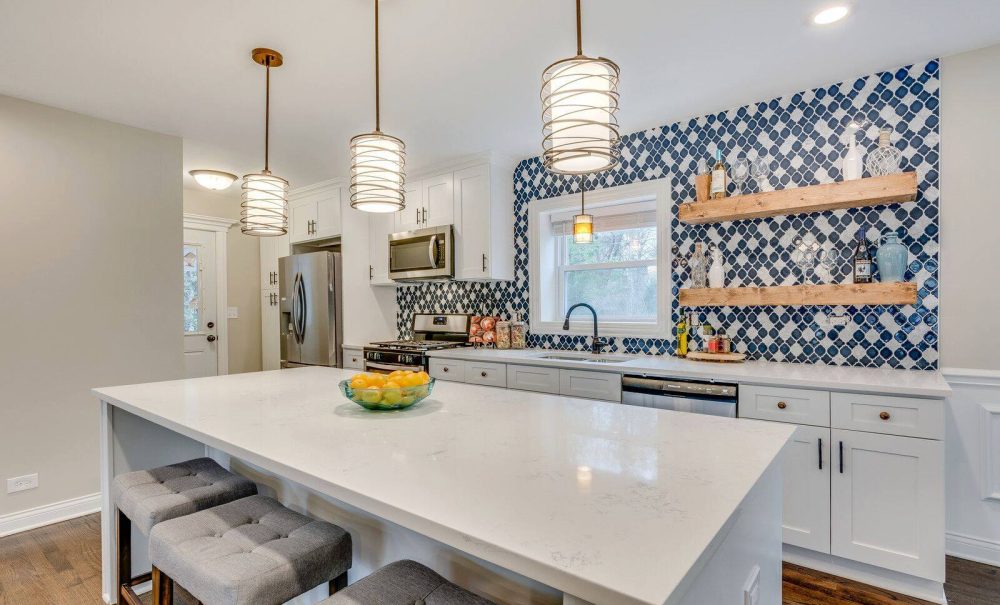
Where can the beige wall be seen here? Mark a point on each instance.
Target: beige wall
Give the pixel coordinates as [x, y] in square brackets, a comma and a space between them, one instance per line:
[243, 256]
[970, 209]
[91, 286]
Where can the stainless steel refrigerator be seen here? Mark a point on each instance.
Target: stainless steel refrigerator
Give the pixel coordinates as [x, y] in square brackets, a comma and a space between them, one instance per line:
[311, 317]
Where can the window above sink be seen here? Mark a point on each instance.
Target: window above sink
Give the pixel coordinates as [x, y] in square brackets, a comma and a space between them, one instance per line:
[624, 274]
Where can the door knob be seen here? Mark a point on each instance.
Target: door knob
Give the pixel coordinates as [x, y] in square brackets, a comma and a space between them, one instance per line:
[211, 338]
[210, 324]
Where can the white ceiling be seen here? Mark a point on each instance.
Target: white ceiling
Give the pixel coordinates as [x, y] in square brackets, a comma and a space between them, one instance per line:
[459, 76]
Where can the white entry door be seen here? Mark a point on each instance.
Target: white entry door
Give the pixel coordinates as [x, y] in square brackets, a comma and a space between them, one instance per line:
[201, 326]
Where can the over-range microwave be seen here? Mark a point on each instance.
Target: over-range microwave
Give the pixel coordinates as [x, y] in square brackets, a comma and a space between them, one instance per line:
[422, 255]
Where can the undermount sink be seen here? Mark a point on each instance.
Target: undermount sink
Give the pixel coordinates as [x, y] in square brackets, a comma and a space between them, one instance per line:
[584, 359]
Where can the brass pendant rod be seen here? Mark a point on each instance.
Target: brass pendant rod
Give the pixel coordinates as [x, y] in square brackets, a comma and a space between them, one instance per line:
[378, 108]
[267, 111]
[579, 31]
[583, 192]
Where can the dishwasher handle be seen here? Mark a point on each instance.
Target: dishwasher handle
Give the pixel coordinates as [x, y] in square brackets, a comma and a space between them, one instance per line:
[681, 388]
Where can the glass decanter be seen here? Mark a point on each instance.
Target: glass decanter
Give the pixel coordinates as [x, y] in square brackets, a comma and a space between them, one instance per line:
[884, 159]
[699, 268]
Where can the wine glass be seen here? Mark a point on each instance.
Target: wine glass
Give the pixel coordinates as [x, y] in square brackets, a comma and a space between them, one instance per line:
[759, 170]
[741, 172]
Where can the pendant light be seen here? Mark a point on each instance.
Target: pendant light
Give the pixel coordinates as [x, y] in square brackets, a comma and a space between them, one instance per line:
[377, 161]
[265, 196]
[579, 107]
[583, 223]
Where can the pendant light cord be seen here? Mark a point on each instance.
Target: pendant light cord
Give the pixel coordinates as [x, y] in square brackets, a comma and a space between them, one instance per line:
[267, 111]
[583, 192]
[377, 100]
[579, 31]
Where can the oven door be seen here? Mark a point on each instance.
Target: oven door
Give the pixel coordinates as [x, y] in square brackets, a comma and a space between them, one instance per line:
[424, 254]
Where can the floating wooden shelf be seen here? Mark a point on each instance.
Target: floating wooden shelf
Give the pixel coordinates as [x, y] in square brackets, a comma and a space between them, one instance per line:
[874, 191]
[828, 294]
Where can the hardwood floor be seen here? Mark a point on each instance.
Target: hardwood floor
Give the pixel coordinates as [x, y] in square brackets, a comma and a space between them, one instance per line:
[61, 564]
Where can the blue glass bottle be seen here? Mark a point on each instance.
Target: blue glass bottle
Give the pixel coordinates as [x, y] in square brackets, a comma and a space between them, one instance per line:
[892, 259]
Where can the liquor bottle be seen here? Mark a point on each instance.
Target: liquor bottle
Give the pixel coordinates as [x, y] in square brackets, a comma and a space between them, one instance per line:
[682, 335]
[720, 180]
[862, 262]
[699, 268]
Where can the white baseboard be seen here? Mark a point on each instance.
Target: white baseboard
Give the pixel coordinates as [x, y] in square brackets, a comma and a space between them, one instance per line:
[972, 548]
[50, 513]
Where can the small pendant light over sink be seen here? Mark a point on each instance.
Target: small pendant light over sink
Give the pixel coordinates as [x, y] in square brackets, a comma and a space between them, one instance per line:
[265, 196]
[377, 161]
[579, 107]
[583, 223]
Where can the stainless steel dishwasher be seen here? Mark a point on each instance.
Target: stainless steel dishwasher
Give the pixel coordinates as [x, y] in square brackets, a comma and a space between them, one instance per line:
[681, 395]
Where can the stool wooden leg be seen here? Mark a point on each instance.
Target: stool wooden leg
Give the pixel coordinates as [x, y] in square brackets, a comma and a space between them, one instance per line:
[123, 546]
[338, 583]
[163, 588]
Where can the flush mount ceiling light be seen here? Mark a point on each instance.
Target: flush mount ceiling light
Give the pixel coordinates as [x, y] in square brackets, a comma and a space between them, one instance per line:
[377, 161]
[831, 15]
[265, 196]
[216, 180]
[583, 223]
[579, 107]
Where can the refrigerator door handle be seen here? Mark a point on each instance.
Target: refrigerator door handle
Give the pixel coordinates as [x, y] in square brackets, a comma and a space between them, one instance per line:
[295, 307]
[303, 309]
[432, 251]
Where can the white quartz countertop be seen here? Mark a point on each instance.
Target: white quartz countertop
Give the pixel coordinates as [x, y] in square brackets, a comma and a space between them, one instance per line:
[609, 503]
[918, 383]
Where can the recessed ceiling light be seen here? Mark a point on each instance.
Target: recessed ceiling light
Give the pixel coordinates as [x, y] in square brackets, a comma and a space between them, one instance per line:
[216, 180]
[831, 15]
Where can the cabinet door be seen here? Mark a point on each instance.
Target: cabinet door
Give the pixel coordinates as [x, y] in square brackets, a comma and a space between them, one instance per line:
[379, 227]
[301, 215]
[472, 213]
[447, 369]
[409, 218]
[591, 385]
[328, 214]
[533, 378]
[271, 249]
[806, 467]
[888, 502]
[270, 348]
[439, 201]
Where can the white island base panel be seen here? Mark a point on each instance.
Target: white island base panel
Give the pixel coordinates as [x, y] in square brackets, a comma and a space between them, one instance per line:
[597, 461]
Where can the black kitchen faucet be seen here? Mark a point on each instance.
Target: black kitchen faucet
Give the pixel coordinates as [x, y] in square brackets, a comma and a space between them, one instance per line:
[599, 343]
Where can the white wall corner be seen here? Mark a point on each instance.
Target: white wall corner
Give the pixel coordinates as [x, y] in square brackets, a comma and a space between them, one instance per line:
[32, 518]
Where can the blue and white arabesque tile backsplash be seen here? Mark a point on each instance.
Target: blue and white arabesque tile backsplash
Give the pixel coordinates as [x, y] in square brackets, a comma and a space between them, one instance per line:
[802, 136]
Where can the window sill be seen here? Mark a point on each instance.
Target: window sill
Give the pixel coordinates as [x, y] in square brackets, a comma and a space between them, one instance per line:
[582, 328]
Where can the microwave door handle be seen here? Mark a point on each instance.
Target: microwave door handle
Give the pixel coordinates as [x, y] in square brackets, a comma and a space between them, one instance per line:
[432, 251]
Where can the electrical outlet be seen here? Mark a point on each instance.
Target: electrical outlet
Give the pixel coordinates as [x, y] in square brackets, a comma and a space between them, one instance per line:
[22, 483]
[751, 590]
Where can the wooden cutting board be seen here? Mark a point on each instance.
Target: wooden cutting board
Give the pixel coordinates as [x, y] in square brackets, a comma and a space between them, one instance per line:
[717, 357]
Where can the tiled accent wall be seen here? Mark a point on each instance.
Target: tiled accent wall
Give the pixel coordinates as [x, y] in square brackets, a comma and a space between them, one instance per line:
[801, 136]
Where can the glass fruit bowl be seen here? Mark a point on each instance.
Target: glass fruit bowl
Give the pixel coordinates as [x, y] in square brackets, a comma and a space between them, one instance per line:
[387, 399]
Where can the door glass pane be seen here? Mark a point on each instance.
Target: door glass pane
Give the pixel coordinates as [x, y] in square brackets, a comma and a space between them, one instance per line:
[192, 291]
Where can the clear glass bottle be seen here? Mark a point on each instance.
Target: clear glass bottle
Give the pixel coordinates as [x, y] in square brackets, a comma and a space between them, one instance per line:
[699, 268]
[884, 159]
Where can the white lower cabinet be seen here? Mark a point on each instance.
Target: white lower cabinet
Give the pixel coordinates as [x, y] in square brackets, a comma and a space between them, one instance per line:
[605, 386]
[447, 369]
[487, 374]
[888, 502]
[533, 378]
[354, 358]
[269, 330]
[806, 468]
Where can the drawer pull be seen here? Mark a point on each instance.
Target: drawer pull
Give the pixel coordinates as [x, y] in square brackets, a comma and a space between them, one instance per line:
[884, 415]
[445, 368]
[782, 405]
[354, 360]
[483, 374]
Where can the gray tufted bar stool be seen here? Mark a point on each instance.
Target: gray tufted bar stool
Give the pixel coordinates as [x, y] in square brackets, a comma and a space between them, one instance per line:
[145, 498]
[252, 551]
[404, 583]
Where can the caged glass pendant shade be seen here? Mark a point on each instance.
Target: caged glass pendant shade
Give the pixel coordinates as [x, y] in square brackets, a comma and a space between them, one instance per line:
[583, 223]
[579, 112]
[265, 205]
[377, 173]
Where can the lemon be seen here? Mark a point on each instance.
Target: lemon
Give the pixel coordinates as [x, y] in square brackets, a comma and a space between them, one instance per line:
[407, 399]
[371, 396]
[392, 396]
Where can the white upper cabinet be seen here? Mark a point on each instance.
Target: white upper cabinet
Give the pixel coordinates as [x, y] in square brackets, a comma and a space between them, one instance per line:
[484, 221]
[314, 211]
[408, 219]
[379, 228]
[438, 201]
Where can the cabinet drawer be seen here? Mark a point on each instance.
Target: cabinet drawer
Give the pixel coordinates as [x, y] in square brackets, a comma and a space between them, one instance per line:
[906, 416]
[448, 369]
[488, 374]
[533, 378]
[797, 406]
[591, 385]
[354, 359]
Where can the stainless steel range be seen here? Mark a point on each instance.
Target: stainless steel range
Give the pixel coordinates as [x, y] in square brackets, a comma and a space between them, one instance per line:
[430, 332]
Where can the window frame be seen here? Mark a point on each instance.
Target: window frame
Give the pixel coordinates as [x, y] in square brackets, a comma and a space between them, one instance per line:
[542, 297]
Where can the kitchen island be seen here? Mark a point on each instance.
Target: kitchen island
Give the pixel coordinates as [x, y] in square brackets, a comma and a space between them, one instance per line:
[519, 496]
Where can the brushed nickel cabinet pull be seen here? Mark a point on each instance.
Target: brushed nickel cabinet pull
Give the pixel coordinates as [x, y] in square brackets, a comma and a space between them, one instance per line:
[884, 415]
[782, 405]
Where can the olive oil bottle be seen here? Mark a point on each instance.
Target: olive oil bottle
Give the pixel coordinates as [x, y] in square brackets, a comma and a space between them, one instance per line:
[682, 334]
